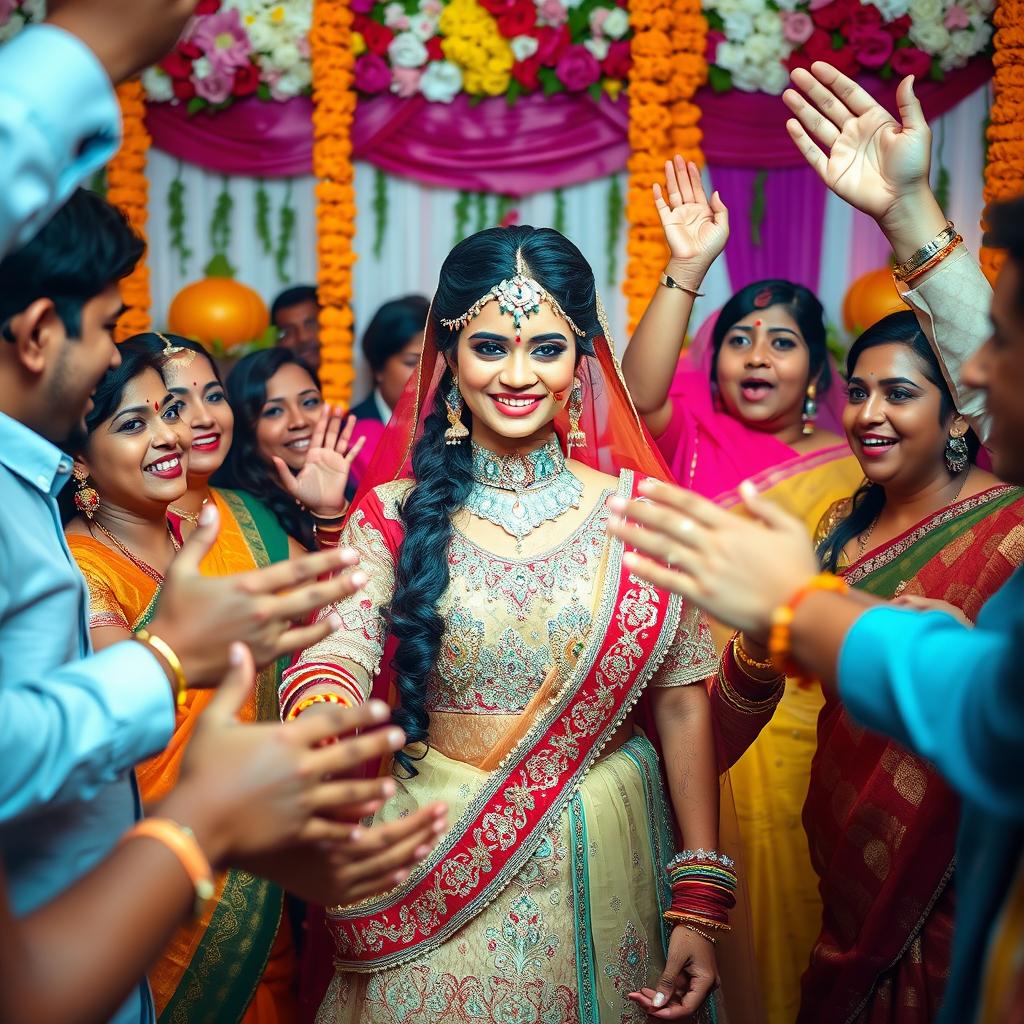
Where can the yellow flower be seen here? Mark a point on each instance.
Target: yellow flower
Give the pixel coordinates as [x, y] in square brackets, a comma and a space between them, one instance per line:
[612, 86]
[494, 83]
[358, 44]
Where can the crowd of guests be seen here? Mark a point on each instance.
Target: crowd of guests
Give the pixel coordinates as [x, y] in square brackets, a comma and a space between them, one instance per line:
[171, 536]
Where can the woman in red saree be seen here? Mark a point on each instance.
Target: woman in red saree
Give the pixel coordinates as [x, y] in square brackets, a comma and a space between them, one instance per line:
[520, 655]
[926, 527]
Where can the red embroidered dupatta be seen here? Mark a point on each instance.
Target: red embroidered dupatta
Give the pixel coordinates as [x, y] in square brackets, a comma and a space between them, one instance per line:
[881, 824]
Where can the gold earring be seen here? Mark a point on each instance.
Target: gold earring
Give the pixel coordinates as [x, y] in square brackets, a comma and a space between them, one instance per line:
[87, 498]
[576, 438]
[456, 432]
[810, 409]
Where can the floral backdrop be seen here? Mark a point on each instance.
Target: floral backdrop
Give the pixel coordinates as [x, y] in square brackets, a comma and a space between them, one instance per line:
[439, 49]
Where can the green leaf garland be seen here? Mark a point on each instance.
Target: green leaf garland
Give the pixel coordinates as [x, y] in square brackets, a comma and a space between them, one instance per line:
[462, 216]
[558, 221]
[757, 205]
[482, 219]
[176, 221]
[615, 212]
[380, 210]
[263, 232]
[220, 224]
[285, 234]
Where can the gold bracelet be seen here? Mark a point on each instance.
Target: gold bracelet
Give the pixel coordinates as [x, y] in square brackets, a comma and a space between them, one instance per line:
[933, 262]
[311, 701]
[918, 259]
[163, 648]
[181, 841]
[746, 661]
[734, 699]
[671, 282]
[703, 934]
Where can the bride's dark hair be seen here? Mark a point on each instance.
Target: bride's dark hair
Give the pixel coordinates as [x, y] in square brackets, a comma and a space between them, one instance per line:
[442, 472]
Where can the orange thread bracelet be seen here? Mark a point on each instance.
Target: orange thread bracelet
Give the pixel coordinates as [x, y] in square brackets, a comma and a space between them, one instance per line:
[182, 842]
[314, 698]
[780, 637]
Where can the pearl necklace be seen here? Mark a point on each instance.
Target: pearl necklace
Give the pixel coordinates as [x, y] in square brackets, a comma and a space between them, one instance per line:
[519, 492]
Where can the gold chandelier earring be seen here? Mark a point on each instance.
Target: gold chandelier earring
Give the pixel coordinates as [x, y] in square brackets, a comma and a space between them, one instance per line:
[87, 498]
[456, 432]
[576, 438]
[810, 413]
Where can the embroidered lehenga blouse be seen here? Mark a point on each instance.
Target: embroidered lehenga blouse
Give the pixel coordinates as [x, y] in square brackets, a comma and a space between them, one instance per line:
[578, 925]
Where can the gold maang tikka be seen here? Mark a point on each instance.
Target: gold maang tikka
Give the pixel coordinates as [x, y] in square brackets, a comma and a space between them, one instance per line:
[172, 351]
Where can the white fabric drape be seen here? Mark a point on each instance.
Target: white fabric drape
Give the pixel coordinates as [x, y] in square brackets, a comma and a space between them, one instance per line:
[420, 229]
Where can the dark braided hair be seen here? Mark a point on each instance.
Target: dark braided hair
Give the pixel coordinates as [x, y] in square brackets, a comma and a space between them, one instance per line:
[443, 472]
[869, 499]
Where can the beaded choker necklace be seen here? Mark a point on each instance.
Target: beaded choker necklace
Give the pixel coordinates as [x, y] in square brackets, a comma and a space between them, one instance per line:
[519, 492]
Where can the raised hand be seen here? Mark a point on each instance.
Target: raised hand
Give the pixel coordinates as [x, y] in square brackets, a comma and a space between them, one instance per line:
[320, 484]
[696, 230]
[199, 615]
[858, 148]
[689, 977]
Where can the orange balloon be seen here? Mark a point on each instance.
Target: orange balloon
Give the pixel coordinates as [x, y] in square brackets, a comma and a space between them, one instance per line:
[218, 309]
[870, 298]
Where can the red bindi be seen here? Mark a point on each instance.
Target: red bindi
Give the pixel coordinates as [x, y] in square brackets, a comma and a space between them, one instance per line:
[758, 323]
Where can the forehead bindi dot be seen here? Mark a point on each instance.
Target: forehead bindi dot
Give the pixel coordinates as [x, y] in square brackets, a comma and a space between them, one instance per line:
[758, 323]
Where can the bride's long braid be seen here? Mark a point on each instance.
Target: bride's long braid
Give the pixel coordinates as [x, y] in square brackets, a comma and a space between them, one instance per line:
[443, 472]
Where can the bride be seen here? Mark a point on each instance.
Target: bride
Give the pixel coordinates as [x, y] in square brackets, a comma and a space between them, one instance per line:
[545, 691]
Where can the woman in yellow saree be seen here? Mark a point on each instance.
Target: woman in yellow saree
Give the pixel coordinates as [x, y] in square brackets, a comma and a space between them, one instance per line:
[237, 962]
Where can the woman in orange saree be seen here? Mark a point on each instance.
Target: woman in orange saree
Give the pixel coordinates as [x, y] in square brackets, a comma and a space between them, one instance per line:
[880, 822]
[237, 962]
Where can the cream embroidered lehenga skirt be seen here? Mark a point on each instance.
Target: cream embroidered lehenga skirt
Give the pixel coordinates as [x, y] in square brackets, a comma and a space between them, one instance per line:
[577, 930]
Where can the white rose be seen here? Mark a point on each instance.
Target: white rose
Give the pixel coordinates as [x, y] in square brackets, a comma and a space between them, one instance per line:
[751, 7]
[785, 5]
[926, 10]
[762, 49]
[966, 44]
[768, 23]
[288, 85]
[263, 35]
[572, 3]
[406, 51]
[393, 14]
[285, 55]
[598, 47]
[616, 25]
[738, 26]
[441, 81]
[774, 78]
[423, 27]
[747, 78]
[932, 38]
[158, 85]
[201, 67]
[891, 9]
[730, 56]
[523, 47]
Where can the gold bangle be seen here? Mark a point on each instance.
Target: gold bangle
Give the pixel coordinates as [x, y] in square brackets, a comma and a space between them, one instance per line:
[734, 699]
[671, 282]
[703, 934]
[746, 661]
[163, 648]
[182, 842]
[918, 259]
[311, 700]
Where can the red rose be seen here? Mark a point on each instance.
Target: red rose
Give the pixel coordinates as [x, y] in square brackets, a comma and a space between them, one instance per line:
[577, 69]
[183, 89]
[834, 15]
[518, 21]
[190, 51]
[898, 28]
[376, 36]
[176, 66]
[499, 7]
[617, 63]
[434, 51]
[207, 7]
[552, 43]
[525, 72]
[844, 60]
[247, 80]
[866, 16]
[818, 47]
[909, 60]
[871, 46]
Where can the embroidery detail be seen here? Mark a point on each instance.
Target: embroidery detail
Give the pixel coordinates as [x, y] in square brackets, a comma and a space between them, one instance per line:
[628, 972]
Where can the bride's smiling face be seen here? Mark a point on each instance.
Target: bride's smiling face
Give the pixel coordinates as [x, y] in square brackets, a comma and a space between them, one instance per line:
[515, 389]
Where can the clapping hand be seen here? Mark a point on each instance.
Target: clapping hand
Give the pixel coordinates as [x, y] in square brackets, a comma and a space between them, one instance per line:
[320, 484]
[696, 230]
[860, 151]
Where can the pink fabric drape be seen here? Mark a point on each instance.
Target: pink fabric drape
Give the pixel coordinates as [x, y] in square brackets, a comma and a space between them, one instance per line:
[537, 144]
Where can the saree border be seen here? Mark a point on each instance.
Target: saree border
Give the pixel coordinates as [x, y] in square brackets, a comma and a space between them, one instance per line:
[863, 568]
[466, 853]
[586, 981]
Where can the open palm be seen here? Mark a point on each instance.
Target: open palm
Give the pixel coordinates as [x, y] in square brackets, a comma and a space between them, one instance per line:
[320, 484]
[872, 159]
[696, 230]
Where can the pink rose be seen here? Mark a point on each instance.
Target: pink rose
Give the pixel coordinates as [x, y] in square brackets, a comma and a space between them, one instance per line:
[577, 69]
[871, 46]
[956, 17]
[223, 39]
[909, 60]
[406, 82]
[216, 86]
[372, 74]
[797, 27]
[553, 12]
[362, 6]
[598, 16]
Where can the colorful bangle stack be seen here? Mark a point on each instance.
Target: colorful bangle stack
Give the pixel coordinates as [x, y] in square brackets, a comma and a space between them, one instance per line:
[313, 699]
[928, 257]
[761, 693]
[780, 638]
[181, 841]
[328, 531]
[703, 891]
[164, 650]
[302, 679]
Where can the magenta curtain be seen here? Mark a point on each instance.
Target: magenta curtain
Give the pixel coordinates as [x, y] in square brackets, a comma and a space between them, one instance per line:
[537, 144]
[790, 233]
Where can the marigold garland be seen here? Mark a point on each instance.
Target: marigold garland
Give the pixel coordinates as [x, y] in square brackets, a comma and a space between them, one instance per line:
[334, 107]
[128, 189]
[1004, 171]
[668, 67]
